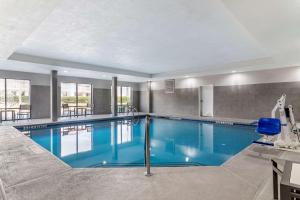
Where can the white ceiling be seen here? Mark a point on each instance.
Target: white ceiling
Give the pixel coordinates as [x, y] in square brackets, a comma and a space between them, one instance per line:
[138, 39]
[274, 23]
[18, 19]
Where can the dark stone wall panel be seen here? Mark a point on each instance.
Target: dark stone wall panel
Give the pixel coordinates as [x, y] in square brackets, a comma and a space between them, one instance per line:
[40, 101]
[101, 99]
[181, 102]
[254, 101]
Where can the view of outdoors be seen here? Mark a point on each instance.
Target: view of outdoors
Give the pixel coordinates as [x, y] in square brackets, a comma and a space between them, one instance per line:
[76, 95]
[17, 92]
[68, 94]
[124, 98]
[84, 94]
[2, 93]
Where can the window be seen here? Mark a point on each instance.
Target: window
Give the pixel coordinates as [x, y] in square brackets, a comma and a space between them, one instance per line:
[68, 94]
[124, 98]
[2, 93]
[13, 93]
[76, 96]
[84, 94]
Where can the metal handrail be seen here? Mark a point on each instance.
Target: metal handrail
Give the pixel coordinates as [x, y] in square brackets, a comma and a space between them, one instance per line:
[131, 109]
[147, 146]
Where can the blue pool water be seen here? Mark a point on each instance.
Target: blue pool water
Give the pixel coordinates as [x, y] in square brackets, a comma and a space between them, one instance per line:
[121, 143]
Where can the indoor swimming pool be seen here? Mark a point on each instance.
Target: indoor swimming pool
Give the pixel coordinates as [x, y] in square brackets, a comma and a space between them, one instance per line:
[121, 142]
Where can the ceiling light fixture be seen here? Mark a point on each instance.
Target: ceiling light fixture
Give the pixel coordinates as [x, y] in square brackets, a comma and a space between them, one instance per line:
[233, 71]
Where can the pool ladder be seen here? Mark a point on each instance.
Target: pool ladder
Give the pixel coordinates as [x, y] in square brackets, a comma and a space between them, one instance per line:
[132, 110]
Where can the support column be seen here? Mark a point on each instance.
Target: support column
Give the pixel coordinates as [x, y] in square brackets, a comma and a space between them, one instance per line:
[149, 97]
[200, 101]
[53, 96]
[114, 85]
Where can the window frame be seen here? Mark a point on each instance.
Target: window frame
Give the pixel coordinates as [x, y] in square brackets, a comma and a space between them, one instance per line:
[76, 93]
[121, 95]
[5, 95]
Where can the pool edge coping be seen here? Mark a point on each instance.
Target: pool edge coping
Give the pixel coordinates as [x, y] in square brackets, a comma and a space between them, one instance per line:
[225, 121]
[69, 168]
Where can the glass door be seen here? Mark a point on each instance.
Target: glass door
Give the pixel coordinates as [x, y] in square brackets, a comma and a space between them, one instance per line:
[68, 98]
[13, 94]
[84, 98]
[124, 98]
[17, 93]
[76, 99]
[2, 97]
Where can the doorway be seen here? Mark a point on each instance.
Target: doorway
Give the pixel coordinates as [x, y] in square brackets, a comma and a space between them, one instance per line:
[206, 101]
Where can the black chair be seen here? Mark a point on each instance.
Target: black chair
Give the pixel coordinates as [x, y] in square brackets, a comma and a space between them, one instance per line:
[68, 110]
[24, 112]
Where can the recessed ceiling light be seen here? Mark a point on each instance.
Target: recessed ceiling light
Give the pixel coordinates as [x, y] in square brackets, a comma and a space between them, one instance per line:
[233, 71]
[186, 76]
[65, 71]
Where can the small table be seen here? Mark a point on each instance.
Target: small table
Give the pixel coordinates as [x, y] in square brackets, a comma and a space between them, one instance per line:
[13, 114]
[82, 110]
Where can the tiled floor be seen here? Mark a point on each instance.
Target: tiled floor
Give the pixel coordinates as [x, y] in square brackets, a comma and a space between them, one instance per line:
[30, 172]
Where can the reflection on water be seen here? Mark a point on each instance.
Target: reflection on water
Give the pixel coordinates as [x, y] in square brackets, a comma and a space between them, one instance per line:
[75, 139]
[124, 133]
[122, 143]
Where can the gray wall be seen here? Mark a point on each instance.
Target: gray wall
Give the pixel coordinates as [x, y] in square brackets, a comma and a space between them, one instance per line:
[101, 100]
[254, 101]
[136, 99]
[143, 101]
[250, 101]
[40, 101]
[182, 102]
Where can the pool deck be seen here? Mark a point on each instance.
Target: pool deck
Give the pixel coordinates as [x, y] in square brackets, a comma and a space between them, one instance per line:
[28, 171]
